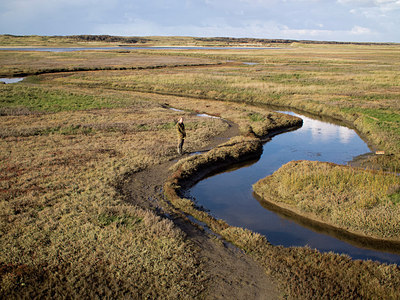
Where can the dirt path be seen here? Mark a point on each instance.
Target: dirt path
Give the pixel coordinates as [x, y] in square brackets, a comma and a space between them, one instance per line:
[233, 275]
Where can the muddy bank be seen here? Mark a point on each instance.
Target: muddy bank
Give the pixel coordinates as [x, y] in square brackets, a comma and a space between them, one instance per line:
[231, 273]
[191, 169]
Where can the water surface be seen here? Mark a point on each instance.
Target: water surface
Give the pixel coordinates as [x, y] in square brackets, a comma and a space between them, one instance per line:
[11, 80]
[229, 195]
[70, 49]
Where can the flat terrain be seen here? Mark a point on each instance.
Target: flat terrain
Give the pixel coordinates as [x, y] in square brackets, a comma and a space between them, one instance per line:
[87, 141]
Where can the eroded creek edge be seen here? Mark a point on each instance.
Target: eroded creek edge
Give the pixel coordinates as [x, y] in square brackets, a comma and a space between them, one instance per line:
[232, 273]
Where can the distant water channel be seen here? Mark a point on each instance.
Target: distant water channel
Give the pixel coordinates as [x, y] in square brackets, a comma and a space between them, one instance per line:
[229, 195]
[71, 49]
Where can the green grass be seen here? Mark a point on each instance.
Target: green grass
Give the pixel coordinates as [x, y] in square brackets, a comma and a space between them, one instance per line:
[124, 220]
[38, 99]
[382, 124]
[256, 117]
[395, 198]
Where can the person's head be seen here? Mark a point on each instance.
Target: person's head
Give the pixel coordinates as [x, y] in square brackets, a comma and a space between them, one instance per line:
[181, 120]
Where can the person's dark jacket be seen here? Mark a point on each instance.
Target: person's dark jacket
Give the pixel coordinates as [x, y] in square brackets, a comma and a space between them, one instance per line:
[180, 127]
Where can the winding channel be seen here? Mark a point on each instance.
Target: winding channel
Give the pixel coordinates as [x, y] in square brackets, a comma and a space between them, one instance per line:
[229, 195]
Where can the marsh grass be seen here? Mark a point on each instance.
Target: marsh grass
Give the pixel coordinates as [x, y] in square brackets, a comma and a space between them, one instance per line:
[256, 117]
[66, 138]
[356, 200]
[65, 231]
[36, 99]
[259, 123]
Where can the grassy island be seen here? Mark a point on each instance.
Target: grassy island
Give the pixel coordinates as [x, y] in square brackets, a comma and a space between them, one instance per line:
[356, 200]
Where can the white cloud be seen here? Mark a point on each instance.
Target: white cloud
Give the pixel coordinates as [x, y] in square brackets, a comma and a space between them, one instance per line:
[326, 132]
[358, 30]
[214, 27]
[340, 20]
[381, 5]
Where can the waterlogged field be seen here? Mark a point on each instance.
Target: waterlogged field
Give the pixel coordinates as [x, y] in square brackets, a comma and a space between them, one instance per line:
[68, 138]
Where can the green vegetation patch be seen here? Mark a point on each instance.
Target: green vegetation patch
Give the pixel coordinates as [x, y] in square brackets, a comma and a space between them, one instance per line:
[125, 220]
[388, 117]
[383, 125]
[360, 201]
[40, 99]
[256, 117]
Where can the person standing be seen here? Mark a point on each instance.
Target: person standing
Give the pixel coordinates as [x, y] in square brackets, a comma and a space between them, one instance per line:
[180, 127]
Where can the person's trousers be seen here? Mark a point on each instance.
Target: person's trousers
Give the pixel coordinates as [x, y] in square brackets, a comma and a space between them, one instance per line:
[180, 146]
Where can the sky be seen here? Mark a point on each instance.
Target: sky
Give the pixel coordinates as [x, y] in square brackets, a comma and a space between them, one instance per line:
[321, 20]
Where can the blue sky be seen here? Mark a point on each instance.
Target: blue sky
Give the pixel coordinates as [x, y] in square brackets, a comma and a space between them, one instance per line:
[329, 20]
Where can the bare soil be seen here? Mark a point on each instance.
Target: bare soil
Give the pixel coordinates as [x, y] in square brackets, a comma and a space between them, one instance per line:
[233, 274]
